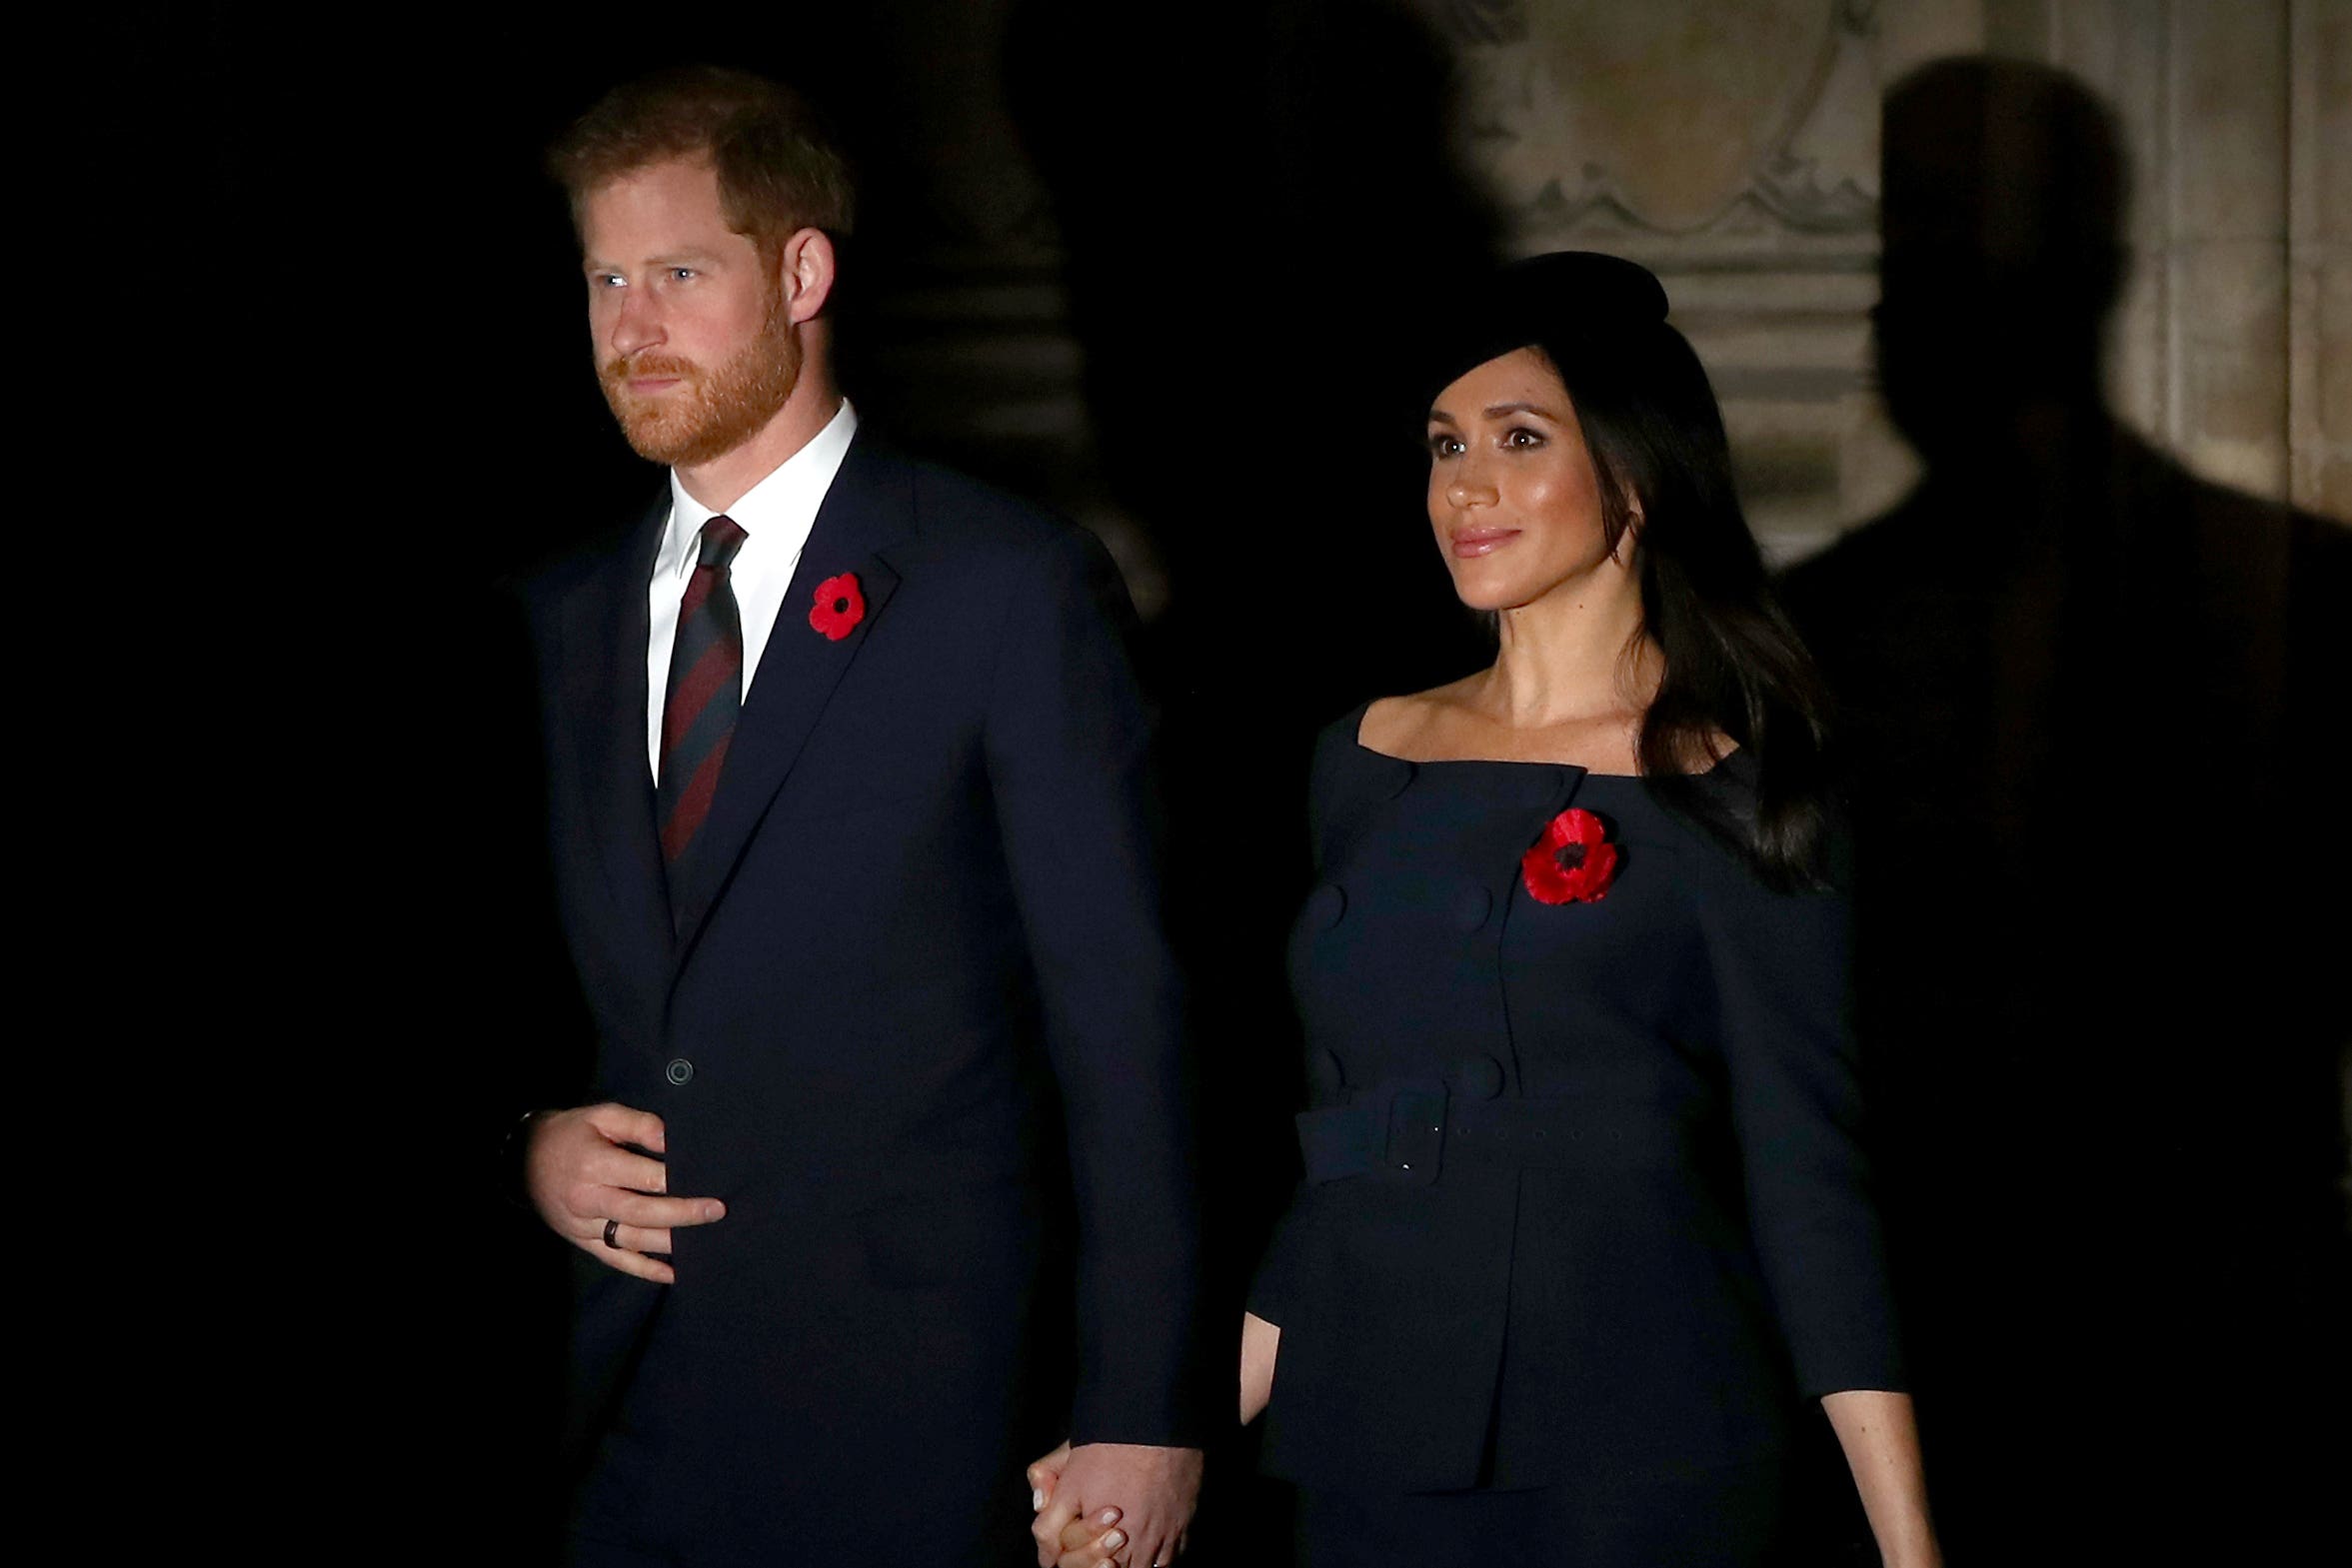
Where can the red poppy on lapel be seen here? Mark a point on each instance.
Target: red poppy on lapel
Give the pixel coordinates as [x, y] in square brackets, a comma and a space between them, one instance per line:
[839, 608]
[1572, 862]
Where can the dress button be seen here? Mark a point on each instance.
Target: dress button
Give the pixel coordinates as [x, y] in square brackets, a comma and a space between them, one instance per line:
[680, 1071]
[1477, 1077]
[1471, 906]
[1326, 907]
[1401, 776]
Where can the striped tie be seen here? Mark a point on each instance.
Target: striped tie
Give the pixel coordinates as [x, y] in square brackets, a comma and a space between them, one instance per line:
[705, 691]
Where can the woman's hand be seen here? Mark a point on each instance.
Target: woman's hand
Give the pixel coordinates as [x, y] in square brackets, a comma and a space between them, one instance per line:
[1259, 1340]
[1880, 1437]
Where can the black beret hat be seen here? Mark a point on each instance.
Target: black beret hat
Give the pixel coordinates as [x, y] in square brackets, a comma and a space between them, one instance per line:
[1567, 301]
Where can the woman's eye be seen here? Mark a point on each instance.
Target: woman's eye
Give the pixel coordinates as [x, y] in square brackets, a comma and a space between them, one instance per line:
[1445, 446]
[1524, 438]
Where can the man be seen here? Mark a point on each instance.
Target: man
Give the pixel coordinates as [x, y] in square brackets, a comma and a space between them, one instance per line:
[849, 801]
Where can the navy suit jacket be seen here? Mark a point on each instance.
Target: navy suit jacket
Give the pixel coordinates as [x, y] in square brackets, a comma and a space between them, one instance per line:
[919, 932]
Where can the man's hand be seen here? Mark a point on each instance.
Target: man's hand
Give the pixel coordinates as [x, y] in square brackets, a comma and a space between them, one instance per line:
[579, 1173]
[1153, 1488]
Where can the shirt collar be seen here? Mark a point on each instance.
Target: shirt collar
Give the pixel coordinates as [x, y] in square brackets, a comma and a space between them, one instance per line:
[785, 501]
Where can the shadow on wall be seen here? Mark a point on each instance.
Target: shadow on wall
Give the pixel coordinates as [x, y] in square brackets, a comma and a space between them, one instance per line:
[2098, 883]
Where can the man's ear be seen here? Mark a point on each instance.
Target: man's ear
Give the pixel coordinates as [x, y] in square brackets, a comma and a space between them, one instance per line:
[805, 271]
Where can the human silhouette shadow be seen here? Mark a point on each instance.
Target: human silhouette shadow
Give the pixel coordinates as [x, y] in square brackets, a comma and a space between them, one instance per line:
[2082, 696]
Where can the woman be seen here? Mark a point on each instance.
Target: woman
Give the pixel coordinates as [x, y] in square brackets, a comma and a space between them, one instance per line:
[1584, 1208]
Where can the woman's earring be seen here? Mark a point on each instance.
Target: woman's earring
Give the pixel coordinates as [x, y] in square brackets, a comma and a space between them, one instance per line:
[1623, 542]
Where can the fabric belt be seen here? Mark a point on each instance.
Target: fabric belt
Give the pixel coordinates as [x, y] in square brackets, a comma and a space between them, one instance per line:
[1409, 1130]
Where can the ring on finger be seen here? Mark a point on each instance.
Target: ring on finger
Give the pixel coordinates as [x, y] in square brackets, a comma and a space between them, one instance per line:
[613, 1234]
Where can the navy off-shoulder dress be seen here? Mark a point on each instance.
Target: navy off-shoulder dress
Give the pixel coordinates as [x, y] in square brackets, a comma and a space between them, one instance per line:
[1586, 1211]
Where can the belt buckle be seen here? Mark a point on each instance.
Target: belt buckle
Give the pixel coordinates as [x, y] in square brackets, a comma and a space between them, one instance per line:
[1416, 1131]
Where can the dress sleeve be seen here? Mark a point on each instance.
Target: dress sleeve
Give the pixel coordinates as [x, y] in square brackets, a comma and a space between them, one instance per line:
[1274, 1286]
[1782, 967]
[1271, 1288]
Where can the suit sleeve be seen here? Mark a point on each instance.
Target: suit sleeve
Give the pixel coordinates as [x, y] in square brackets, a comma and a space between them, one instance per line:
[1782, 970]
[1069, 741]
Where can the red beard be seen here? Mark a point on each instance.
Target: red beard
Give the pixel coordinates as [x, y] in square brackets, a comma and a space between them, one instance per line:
[711, 413]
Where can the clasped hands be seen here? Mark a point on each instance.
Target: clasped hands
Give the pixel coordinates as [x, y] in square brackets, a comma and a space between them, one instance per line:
[1079, 1527]
[1123, 1503]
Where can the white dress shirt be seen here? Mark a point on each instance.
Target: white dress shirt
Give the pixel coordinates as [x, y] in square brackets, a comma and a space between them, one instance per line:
[776, 516]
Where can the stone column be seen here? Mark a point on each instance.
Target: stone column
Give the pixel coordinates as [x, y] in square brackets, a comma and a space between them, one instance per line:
[2319, 256]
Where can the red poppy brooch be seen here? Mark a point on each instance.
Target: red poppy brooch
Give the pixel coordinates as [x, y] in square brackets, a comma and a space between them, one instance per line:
[1573, 863]
[839, 608]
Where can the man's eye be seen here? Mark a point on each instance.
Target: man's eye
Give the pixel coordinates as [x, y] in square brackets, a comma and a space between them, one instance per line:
[604, 280]
[683, 274]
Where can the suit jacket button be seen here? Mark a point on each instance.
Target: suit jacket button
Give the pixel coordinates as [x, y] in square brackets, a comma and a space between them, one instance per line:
[680, 1071]
[1477, 1077]
[1326, 907]
[1471, 906]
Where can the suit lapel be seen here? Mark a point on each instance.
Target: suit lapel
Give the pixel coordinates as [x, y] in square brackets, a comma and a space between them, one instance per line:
[606, 654]
[867, 507]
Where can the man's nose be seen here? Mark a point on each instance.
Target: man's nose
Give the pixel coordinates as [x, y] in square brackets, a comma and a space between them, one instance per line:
[637, 324]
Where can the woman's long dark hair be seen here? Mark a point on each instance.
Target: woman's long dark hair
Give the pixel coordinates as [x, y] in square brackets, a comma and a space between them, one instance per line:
[1734, 664]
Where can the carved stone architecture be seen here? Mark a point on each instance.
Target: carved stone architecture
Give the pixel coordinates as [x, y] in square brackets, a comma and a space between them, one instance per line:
[1733, 148]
